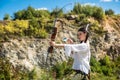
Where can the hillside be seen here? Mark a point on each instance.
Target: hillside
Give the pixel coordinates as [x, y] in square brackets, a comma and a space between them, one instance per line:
[28, 53]
[24, 41]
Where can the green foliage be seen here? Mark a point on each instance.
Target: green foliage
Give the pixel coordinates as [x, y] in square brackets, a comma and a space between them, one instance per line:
[42, 13]
[49, 26]
[109, 12]
[88, 10]
[77, 8]
[9, 28]
[46, 76]
[95, 27]
[95, 65]
[98, 76]
[19, 14]
[5, 72]
[102, 69]
[98, 13]
[57, 12]
[25, 14]
[106, 70]
[41, 33]
[62, 69]
[82, 18]
[21, 28]
[31, 13]
[117, 62]
[8, 72]
[36, 29]
[105, 61]
[16, 27]
[104, 66]
[6, 17]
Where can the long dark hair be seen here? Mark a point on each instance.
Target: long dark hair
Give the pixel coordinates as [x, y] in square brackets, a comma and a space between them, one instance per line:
[84, 30]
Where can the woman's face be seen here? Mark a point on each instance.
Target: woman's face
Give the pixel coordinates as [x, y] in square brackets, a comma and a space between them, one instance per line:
[81, 35]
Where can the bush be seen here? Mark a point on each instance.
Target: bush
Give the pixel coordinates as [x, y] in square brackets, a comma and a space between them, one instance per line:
[107, 66]
[62, 69]
[109, 12]
[106, 70]
[95, 27]
[81, 18]
[41, 33]
[105, 61]
[5, 71]
[89, 11]
[6, 17]
[9, 29]
[95, 65]
[98, 13]
[8, 72]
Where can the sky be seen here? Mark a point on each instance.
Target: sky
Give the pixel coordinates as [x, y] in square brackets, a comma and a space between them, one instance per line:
[12, 6]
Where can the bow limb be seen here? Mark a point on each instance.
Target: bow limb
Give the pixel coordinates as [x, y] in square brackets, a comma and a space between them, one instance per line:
[53, 35]
[54, 32]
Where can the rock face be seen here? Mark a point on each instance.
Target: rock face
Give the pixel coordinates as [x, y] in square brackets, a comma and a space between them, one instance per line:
[29, 53]
[108, 44]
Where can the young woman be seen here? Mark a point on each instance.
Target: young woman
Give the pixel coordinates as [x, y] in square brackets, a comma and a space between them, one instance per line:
[79, 52]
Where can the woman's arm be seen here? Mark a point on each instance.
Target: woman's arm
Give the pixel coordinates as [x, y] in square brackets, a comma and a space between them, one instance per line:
[59, 45]
[69, 41]
[56, 45]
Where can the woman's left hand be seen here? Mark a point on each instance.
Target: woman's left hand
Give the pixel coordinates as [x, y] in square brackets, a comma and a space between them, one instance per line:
[69, 41]
[52, 43]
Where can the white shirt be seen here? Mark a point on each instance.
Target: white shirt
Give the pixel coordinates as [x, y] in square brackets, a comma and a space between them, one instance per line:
[81, 56]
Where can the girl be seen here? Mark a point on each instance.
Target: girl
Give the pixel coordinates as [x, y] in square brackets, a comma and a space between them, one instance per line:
[79, 52]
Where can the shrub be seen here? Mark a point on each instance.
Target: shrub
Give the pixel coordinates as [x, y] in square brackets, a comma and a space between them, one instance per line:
[95, 27]
[62, 69]
[5, 71]
[98, 13]
[15, 28]
[41, 33]
[107, 66]
[106, 70]
[8, 72]
[88, 10]
[6, 17]
[95, 65]
[109, 12]
[105, 61]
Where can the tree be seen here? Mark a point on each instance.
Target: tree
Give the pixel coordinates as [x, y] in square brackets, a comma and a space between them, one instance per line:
[109, 12]
[98, 13]
[57, 12]
[42, 14]
[19, 14]
[87, 10]
[25, 14]
[6, 17]
[77, 8]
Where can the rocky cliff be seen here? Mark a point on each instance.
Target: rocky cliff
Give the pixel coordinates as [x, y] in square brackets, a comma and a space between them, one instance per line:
[29, 53]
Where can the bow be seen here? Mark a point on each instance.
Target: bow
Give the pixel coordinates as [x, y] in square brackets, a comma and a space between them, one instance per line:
[54, 32]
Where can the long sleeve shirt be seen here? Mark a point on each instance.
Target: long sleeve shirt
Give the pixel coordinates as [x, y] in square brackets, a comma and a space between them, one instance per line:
[81, 55]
